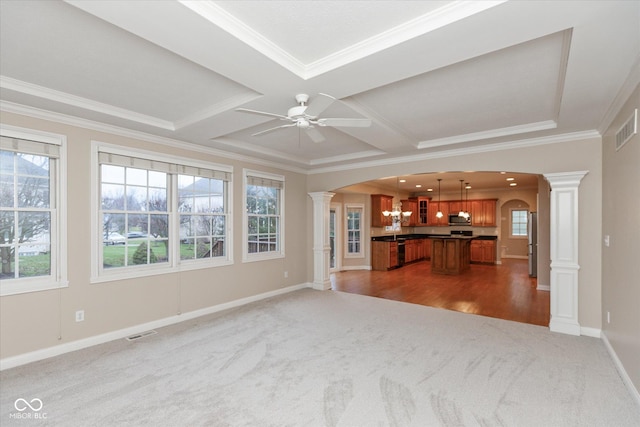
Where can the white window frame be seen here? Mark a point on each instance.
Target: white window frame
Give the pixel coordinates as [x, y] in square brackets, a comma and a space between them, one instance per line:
[347, 207]
[58, 277]
[517, 236]
[251, 257]
[174, 264]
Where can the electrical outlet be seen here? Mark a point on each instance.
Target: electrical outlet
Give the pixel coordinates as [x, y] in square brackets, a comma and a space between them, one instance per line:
[608, 317]
[80, 316]
[286, 274]
[607, 240]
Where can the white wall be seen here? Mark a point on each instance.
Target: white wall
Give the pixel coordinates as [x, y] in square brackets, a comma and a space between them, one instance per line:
[621, 259]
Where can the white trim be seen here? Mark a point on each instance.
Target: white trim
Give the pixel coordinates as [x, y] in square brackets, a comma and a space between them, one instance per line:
[347, 206]
[38, 113]
[626, 379]
[355, 267]
[175, 265]
[84, 103]
[564, 303]
[542, 287]
[590, 332]
[337, 208]
[494, 133]
[59, 231]
[23, 359]
[246, 256]
[426, 23]
[515, 256]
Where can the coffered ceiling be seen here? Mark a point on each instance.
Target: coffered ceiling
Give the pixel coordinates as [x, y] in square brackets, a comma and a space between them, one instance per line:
[432, 76]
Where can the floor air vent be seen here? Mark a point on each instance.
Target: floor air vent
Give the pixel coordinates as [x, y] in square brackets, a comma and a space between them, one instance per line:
[627, 130]
[140, 335]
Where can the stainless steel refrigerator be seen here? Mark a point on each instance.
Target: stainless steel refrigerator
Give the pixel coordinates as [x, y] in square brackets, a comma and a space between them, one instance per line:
[532, 232]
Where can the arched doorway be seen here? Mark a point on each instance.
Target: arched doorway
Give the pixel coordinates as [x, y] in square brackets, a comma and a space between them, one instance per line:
[563, 248]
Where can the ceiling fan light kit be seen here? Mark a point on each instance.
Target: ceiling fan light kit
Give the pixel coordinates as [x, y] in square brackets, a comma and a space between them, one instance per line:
[305, 116]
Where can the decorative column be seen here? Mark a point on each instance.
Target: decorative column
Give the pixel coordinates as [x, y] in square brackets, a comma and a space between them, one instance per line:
[321, 247]
[564, 251]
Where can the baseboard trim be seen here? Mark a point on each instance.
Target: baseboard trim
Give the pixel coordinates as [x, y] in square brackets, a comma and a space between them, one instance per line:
[620, 367]
[45, 353]
[355, 267]
[515, 256]
[543, 287]
[590, 332]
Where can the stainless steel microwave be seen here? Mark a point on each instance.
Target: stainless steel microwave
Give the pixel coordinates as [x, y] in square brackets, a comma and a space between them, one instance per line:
[454, 219]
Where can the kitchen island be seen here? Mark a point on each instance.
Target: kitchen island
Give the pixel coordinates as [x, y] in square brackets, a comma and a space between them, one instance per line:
[450, 254]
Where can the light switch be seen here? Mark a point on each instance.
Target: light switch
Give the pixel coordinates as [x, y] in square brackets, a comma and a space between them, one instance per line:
[606, 240]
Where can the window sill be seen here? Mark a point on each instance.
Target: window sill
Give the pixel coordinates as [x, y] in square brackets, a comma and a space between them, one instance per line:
[16, 288]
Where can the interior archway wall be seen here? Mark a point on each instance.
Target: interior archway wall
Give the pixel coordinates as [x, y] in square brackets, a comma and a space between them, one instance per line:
[512, 247]
[575, 153]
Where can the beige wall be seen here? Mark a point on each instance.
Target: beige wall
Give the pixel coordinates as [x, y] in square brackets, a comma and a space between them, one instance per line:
[578, 155]
[621, 260]
[36, 320]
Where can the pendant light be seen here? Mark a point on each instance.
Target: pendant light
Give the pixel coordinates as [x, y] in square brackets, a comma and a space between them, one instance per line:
[461, 213]
[439, 214]
[466, 203]
[396, 213]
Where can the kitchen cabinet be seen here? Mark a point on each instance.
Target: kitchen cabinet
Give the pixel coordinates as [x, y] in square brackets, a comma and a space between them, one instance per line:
[483, 213]
[384, 255]
[483, 251]
[424, 205]
[455, 206]
[412, 206]
[380, 203]
[435, 221]
[450, 255]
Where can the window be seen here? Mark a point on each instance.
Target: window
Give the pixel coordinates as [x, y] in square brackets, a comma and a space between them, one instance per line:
[203, 217]
[354, 230]
[263, 217]
[31, 211]
[156, 215]
[519, 222]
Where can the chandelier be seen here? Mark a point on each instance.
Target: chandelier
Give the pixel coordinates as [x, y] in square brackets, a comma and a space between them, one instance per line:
[396, 213]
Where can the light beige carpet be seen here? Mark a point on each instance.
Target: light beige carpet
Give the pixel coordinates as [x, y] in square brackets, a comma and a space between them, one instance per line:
[314, 358]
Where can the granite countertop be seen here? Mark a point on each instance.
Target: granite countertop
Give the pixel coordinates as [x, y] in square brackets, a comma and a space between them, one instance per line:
[391, 238]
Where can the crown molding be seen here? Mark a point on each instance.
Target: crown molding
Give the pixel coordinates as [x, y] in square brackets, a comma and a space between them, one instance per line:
[498, 146]
[426, 23]
[232, 25]
[629, 85]
[493, 133]
[11, 107]
[416, 27]
[84, 103]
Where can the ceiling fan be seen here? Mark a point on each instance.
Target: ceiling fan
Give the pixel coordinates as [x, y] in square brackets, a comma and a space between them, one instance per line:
[305, 116]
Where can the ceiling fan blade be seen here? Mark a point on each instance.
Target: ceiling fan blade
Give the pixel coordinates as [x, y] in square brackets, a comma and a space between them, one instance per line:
[262, 113]
[319, 104]
[314, 134]
[272, 129]
[355, 123]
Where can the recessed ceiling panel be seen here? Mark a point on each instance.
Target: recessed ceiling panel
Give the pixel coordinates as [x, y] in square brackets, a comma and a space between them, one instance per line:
[312, 30]
[54, 45]
[512, 87]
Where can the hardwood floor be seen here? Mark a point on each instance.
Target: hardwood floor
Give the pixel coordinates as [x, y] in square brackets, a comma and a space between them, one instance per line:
[504, 291]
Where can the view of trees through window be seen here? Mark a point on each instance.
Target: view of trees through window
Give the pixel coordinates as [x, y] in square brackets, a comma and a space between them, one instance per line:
[25, 215]
[136, 215]
[263, 216]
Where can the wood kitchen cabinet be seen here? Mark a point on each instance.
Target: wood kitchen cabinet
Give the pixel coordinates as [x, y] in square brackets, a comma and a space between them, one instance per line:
[412, 206]
[424, 206]
[483, 213]
[433, 210]
[384, 255]
[483, 251]
[380, 203]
